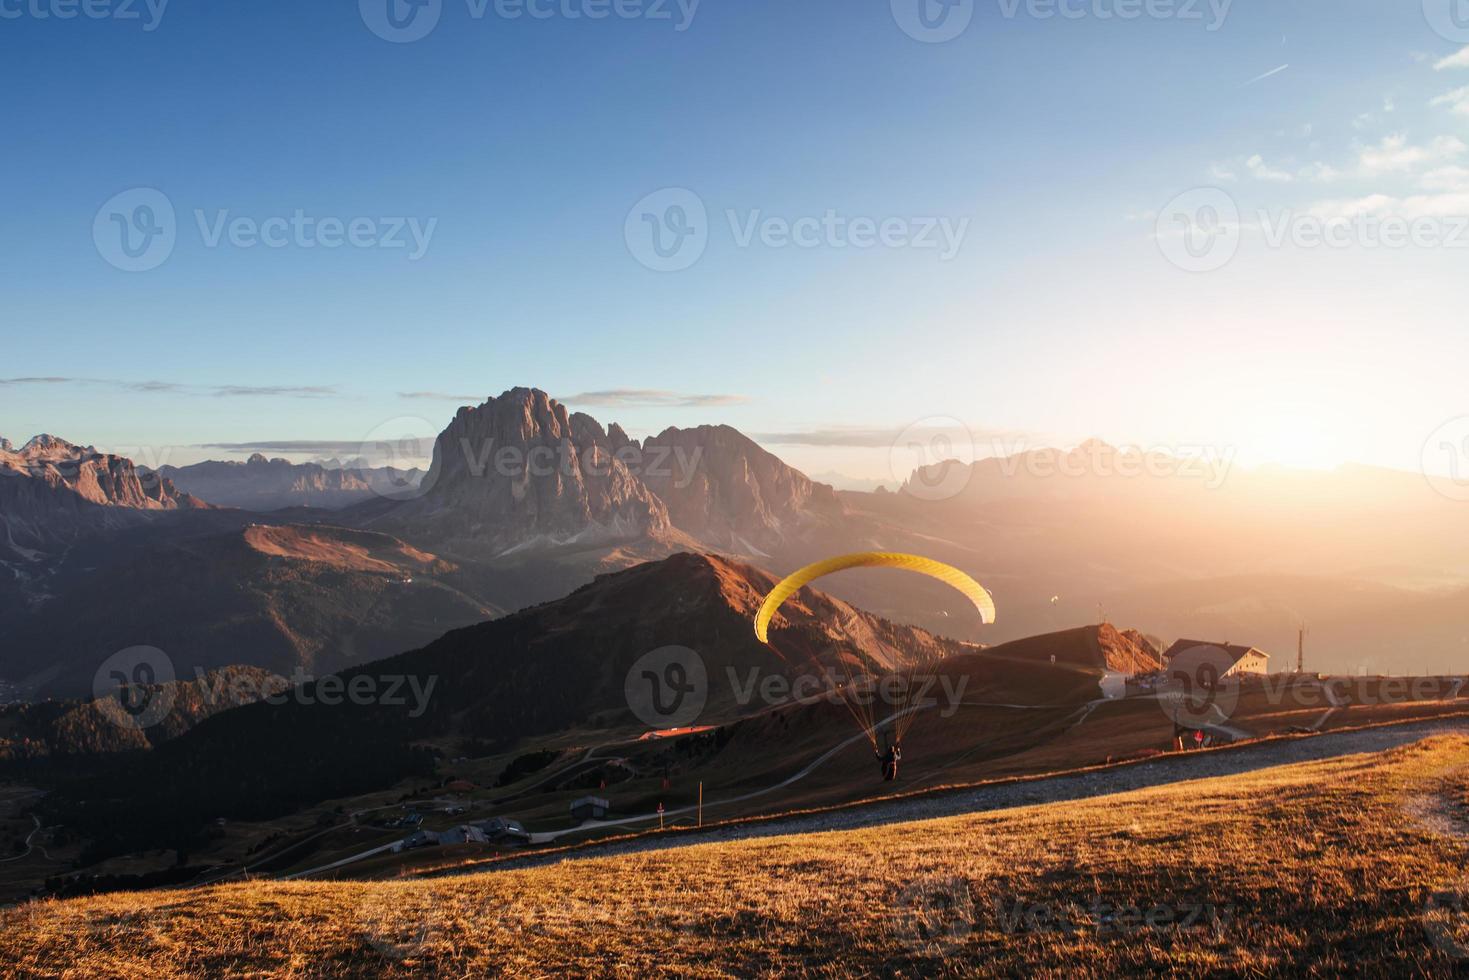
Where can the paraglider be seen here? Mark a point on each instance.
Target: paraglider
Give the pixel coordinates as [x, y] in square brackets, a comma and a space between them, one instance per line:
[793, 583]
[889, 762]
[858, 692]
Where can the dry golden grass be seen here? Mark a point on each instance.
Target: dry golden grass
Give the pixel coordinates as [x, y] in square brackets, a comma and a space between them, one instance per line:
[1319, 869]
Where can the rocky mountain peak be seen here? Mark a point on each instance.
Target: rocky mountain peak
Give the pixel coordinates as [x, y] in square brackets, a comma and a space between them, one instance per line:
[723, 488]
[520, 470]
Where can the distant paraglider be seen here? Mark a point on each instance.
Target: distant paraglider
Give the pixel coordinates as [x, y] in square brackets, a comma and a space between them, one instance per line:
[793, 583]
[858, 691]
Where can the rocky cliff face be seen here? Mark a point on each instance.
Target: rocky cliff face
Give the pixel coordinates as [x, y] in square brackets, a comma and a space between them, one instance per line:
[727, 492]
[262, 484]
[51, 491]
[519, 473]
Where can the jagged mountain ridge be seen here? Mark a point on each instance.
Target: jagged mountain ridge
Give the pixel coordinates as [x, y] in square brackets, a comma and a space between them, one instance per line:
[52, 491]
[262, 484]
[521, 474]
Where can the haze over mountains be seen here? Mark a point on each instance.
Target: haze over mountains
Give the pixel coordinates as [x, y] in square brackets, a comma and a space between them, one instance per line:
[525, 501]
[273, 484]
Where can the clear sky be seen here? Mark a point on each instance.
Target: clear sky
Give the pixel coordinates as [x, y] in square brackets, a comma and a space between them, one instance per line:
[520, 148]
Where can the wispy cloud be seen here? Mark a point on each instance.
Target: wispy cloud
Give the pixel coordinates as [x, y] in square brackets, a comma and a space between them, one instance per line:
[652, 398]
[1396, 155]
[319, 447]
[860, 438]
[1260, 170]
[1457, 101]
[439, 396]
[174, 387]
[1460, 60]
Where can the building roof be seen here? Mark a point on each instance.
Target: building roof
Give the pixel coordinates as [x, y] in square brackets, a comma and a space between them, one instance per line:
[1235, 650]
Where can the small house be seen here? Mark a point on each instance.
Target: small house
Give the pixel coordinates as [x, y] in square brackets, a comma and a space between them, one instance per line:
[1221, 659]
[589, 808]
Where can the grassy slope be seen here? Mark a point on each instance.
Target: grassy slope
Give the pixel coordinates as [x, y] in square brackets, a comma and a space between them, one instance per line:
[1319, 868]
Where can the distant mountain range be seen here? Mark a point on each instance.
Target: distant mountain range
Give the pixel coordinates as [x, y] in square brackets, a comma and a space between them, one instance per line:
[525, 501]
[520, 475]
[262, 484]
[53, 492]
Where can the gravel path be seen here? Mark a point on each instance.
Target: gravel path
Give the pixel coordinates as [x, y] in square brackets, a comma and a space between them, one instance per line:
[1174, 768]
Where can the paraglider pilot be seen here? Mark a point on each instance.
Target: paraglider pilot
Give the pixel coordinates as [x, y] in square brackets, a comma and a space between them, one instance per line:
[889, 761]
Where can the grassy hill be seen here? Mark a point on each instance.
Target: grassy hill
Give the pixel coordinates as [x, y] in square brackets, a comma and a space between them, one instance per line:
[1350, 866]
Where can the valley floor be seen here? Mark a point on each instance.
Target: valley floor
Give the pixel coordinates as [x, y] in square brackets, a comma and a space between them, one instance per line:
[1351, 865]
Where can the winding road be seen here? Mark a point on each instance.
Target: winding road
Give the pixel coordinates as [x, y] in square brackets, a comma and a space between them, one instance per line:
[1164, 770]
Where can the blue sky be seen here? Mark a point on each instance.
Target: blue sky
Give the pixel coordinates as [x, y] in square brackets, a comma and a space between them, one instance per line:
[524, 144]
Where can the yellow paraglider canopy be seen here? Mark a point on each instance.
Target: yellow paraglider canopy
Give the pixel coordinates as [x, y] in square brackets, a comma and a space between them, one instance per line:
[872, 559]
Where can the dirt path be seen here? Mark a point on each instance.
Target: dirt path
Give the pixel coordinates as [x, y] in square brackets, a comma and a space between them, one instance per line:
[1047, 789]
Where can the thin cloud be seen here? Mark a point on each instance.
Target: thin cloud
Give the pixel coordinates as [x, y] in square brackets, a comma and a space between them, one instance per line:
[174, 387]
[652, 398]
[1460, 60]
[321, 447]
[1457, 101]
[855, 438]
[440, 396]
[268, 391]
